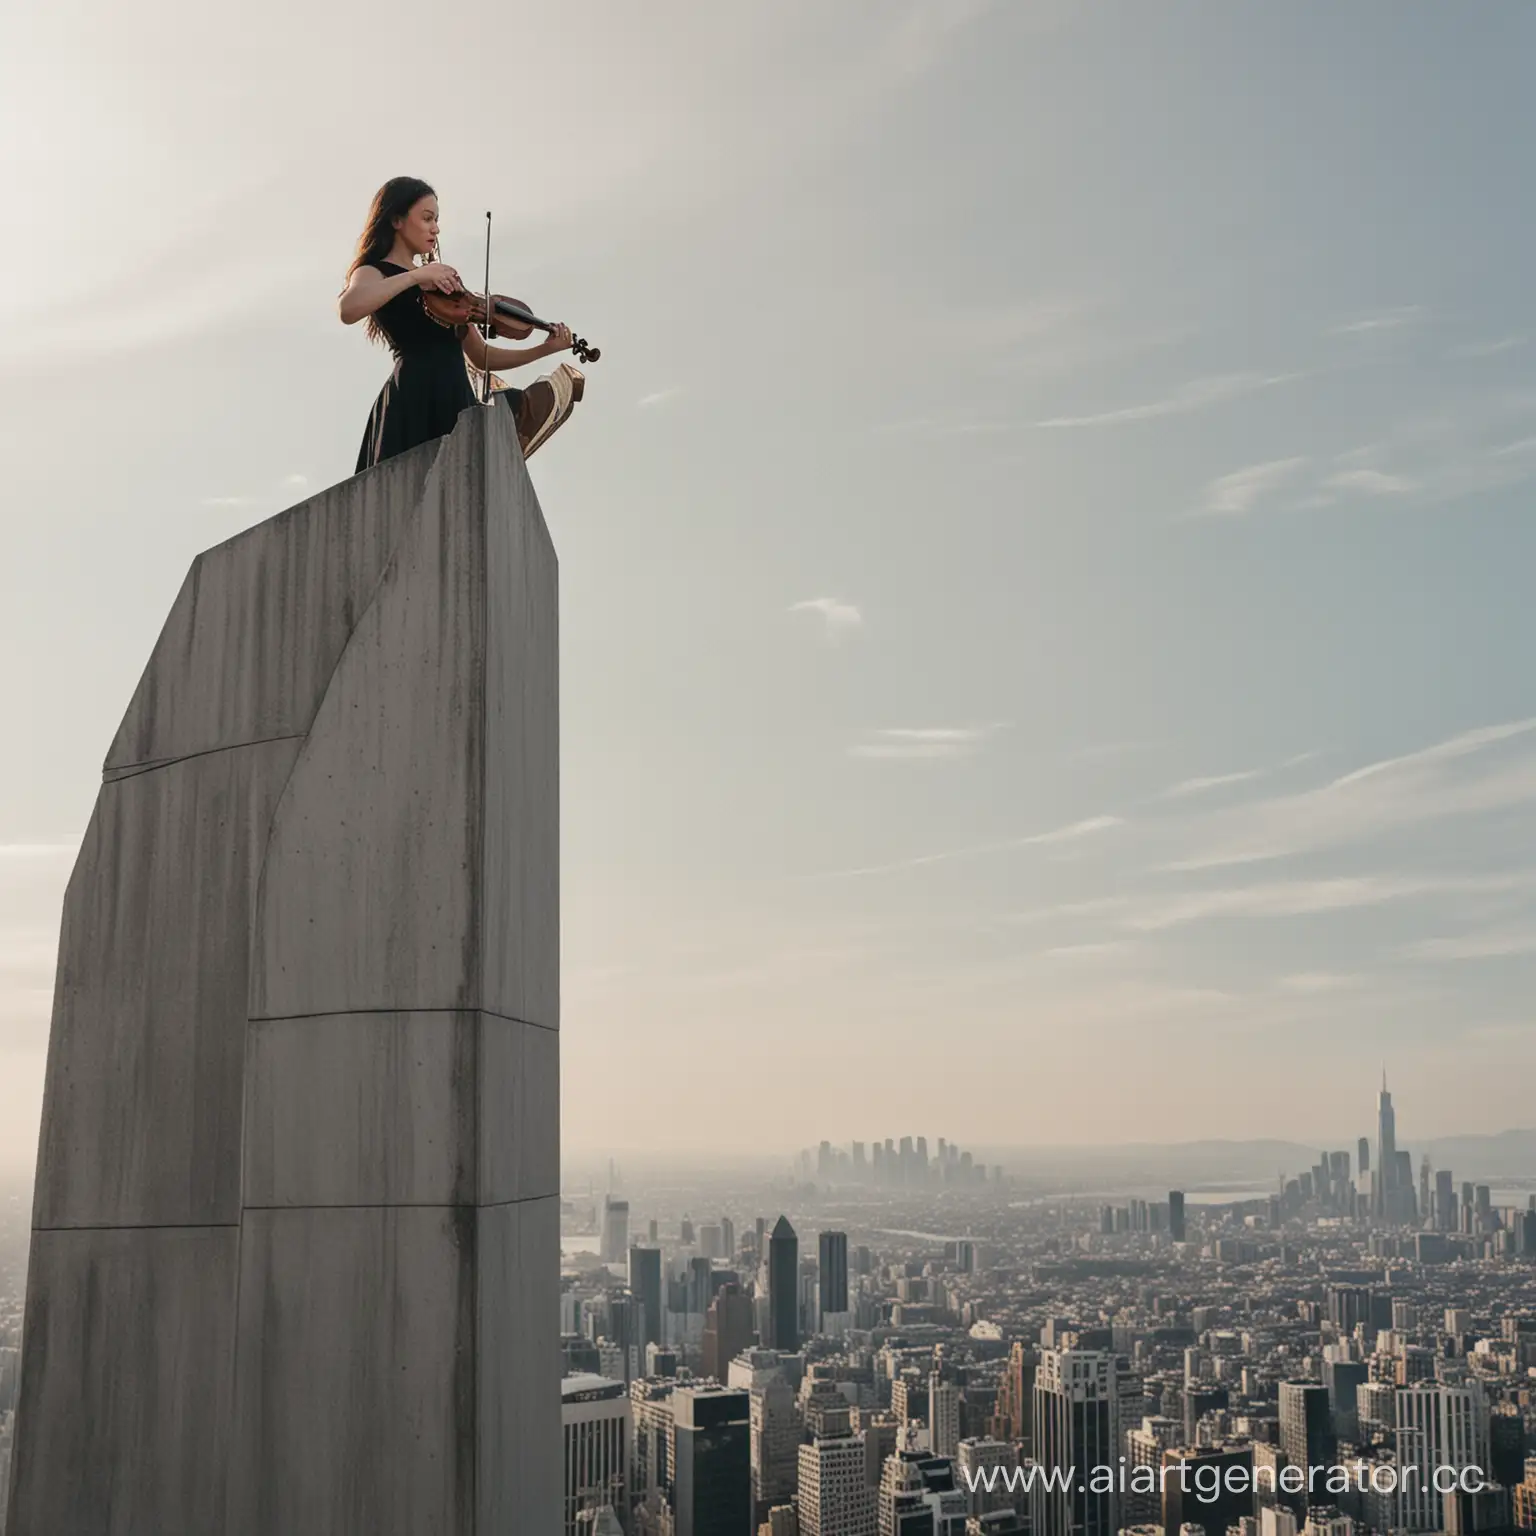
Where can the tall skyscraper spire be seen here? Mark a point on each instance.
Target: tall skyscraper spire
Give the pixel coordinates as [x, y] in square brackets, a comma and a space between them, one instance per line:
[1384, 1181]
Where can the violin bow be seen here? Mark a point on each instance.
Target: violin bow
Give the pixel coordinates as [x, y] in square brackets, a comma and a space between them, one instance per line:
[485, 381]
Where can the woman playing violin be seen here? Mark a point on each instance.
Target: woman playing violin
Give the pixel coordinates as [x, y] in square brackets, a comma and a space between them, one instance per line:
[422, 398]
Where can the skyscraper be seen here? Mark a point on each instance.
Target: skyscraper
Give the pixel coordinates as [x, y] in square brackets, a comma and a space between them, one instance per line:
[1189, 1471]
[700, 1284]
[1383, 1186]
[1445, 1201]
[655, 1452]
[1438, 1426]
[943, 1416]
[835, 1498]
[1176, 1215]
[832, 1249]
[783, 1288]
[713, 1492]
[1306, 1430]
[777, 1430]
[1076, 1427]
[615, 1236]
[1016, 1397]
[727, 1330]
[595, 1414]
[645, 1284]
[1343, 1379]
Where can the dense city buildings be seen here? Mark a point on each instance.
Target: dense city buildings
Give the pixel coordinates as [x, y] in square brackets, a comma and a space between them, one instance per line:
[966, 1351]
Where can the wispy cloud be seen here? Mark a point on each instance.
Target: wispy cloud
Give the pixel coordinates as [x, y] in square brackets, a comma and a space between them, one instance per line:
[1234, 494]
[1197, 395]
[925, 742]
[1308, 898]
[1449, 778]
[1201, 784]
[1071, 833]
[1370, 482]
[932, 426]
[1386, 320]
[1477, 349]
[839, 618]
[1485, 944]
[1198, 786]
[1095, 949]
[1065, 911]
[659, 397]
[1318, 983]
[1426, 461]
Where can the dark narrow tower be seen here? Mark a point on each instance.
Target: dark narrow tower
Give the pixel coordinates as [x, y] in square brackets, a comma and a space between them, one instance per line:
[1176, 1215]
[783, 1287]
[832, 1253]
[1386, 1153]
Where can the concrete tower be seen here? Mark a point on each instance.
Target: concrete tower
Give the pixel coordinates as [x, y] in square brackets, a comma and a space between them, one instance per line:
[295, 1258]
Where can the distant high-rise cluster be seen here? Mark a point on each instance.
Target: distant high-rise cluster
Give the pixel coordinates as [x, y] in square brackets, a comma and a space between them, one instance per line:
[1386, 1195]
[896, 1163]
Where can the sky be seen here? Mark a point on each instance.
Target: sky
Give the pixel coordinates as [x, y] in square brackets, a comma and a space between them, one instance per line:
[1044, 555]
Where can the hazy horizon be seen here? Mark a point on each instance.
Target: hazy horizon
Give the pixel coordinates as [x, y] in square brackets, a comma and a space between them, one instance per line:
[1044, 554]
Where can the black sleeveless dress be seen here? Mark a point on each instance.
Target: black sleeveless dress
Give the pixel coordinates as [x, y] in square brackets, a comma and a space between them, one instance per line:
[422, 398]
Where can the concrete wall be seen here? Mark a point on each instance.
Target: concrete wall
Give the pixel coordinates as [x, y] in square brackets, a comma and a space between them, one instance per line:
[296, 1252]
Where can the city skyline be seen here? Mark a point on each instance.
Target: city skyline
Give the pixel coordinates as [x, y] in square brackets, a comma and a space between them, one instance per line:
[1316, 1349]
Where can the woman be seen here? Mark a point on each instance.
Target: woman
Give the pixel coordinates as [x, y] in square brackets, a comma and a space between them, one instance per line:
[422, 398]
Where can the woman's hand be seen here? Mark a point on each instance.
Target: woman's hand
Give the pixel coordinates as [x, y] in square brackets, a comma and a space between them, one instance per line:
[439, 275]
[559, 339]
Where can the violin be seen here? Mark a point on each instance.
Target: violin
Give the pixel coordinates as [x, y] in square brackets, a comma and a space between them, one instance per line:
[507, 317]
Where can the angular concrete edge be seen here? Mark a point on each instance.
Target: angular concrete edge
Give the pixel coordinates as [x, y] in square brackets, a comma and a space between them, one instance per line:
[368, 892]
[143, 1088]
[241, 660]
[450, 1108]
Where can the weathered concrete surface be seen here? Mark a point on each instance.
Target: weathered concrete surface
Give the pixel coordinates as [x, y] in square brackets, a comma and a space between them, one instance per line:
[296, 1255]
[129, 1353]
[446, 1108]
[142, 1121]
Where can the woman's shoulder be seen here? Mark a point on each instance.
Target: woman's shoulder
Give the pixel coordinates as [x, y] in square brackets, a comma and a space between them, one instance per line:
[383, 268]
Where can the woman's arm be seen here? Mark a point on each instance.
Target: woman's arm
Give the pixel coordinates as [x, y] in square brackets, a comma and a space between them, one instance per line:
[368, 289]
[498, 359]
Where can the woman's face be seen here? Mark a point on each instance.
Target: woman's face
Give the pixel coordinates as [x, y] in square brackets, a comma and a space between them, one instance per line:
[418, 229]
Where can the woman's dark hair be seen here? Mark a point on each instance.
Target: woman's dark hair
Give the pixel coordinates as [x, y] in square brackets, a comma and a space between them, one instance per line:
[392, 201]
